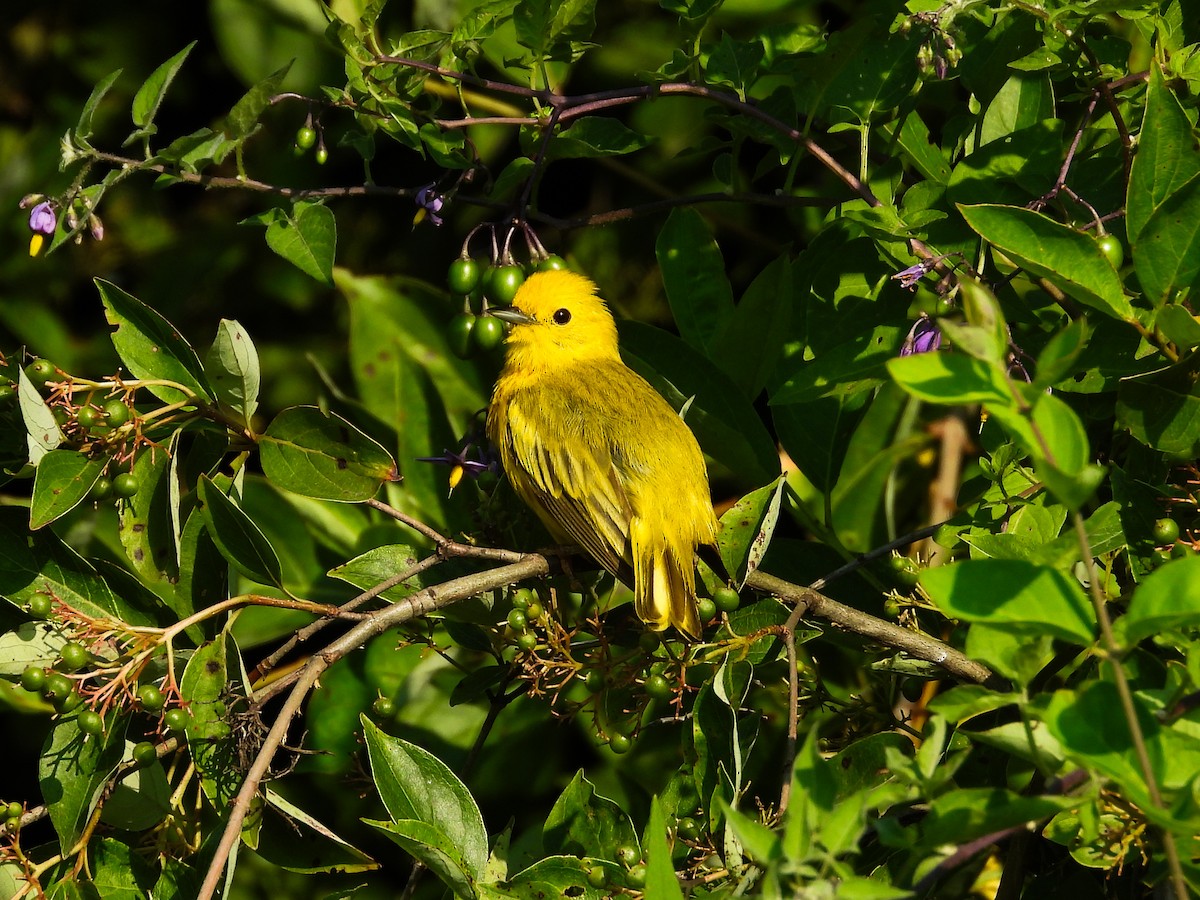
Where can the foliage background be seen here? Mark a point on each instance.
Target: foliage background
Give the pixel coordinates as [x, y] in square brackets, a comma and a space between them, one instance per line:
[182, 251]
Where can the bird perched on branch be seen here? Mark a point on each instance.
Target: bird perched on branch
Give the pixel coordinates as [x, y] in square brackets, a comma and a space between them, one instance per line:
[596, 452]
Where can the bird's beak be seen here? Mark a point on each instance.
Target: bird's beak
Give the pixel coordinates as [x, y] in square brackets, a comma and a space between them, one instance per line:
[510, 315]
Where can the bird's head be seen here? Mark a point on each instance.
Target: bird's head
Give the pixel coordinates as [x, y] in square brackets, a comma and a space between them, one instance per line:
[557, 319]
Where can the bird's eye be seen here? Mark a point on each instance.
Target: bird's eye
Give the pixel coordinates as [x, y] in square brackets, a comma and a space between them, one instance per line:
[562, 316]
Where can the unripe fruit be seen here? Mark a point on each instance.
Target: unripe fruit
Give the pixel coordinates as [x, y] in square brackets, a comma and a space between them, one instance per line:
[1166, 531]
[40, 371]
[636, 876]
[383, 708]
[552, 264]
[517, 620]
[116, 412]
[1113, 250]
[533, 611]
[726, 599]
[101, 489]
[658, 687]
[527, 642]
[73, 656]
[503, 284]
[593, 680]
[90, 722]
[151, 698]
[125, 485]
[33, 678]
[488, 333]
[40, 606]
[618, 743]
[464, 275]
[458, 335]
[306, 137]
[627, 855]
[321, 156]
[8, 393]
[144, 753]
[176, 720]
[707, 608]
[87, 417]
[56, 686]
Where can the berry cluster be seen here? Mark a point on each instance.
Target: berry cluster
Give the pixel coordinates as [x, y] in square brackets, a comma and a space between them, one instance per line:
[482, 285]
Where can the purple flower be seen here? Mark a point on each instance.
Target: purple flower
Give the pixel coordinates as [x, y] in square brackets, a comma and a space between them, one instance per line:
[43, 219]
[461, 463]
[431, 203]
[923, 337]
[910, 276]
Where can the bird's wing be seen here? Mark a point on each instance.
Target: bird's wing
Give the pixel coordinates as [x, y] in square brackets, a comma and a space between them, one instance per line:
[572, 479]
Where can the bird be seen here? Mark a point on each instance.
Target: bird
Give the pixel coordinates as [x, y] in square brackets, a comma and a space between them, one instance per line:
[598, 454]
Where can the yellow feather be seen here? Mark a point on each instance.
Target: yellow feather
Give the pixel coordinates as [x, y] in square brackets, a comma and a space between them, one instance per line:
[597, 453]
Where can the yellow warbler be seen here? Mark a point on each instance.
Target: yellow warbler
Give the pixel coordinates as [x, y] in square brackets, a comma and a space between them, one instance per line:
[594, 450]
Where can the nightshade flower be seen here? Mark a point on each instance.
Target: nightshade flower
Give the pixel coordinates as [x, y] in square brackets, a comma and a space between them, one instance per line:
[923, 337]
[461, 463]
[910, 276]
[42, 221]
[431, 203]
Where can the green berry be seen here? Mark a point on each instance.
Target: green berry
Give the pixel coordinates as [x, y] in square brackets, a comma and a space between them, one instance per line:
[1166, 531]
[689, 828]
[891, 608]
[488, 333]
[125, 485]
[61, 416]
[33, 678]
[517, 620]
[658, 687]
[551, 264]
[619, 743]
[87, 417]
[74, 656]
[597, 877]
[90, 722]
[69, 702]
[649, 641]
[383, 708]
[56, 686]
[13, 810]
[176, 720]
[636, 876]
[101, 489]
[321, 156]
[627, 855]
[533, 611]
[458, 335]
[707, 608]
[144, 753]
[40, 371]
[527, 641]
[504, 283]
[116, 412]
[726, 599]
[593, 680]
[151, 698]
[1113, 250]
[906, 573]
[40, 606]
[464, 275]
[8, 393]
[522, 598]
[306, 137]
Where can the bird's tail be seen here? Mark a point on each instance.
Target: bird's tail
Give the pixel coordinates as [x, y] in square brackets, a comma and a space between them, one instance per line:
[664, 586]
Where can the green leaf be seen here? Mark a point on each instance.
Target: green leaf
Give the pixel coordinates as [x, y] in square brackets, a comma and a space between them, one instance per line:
[1166, 157]
[40, 562]
[1023, 101]
[213, 682]
[242, 119]
[145, 528]
[583, 823]
[967, 813]
[746, 530]
[556, 876]
[438, 852]
[301, 843]
[760, 843]
[151, 348]
[416, 785]
[72, 772]
[61, 482]
[751, 340]
[913, 139]
[950, 379]
[555, 30]
[592, 136]
[150, 95]
[203, 572]
[1013, 595]
[307, 239]
[694, 278]
[734, 63]
[232, 368]
[1168, 599]
[1063, 256]
[236, 535]
[722, 419]
[1178, 326]
[118, 871]
[661, 881]
[862, 72]
[816, 435]
[1162, 410]
[378, 565]
[41, 428]
[1166, 253]
[83, 128]
[317, 455]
